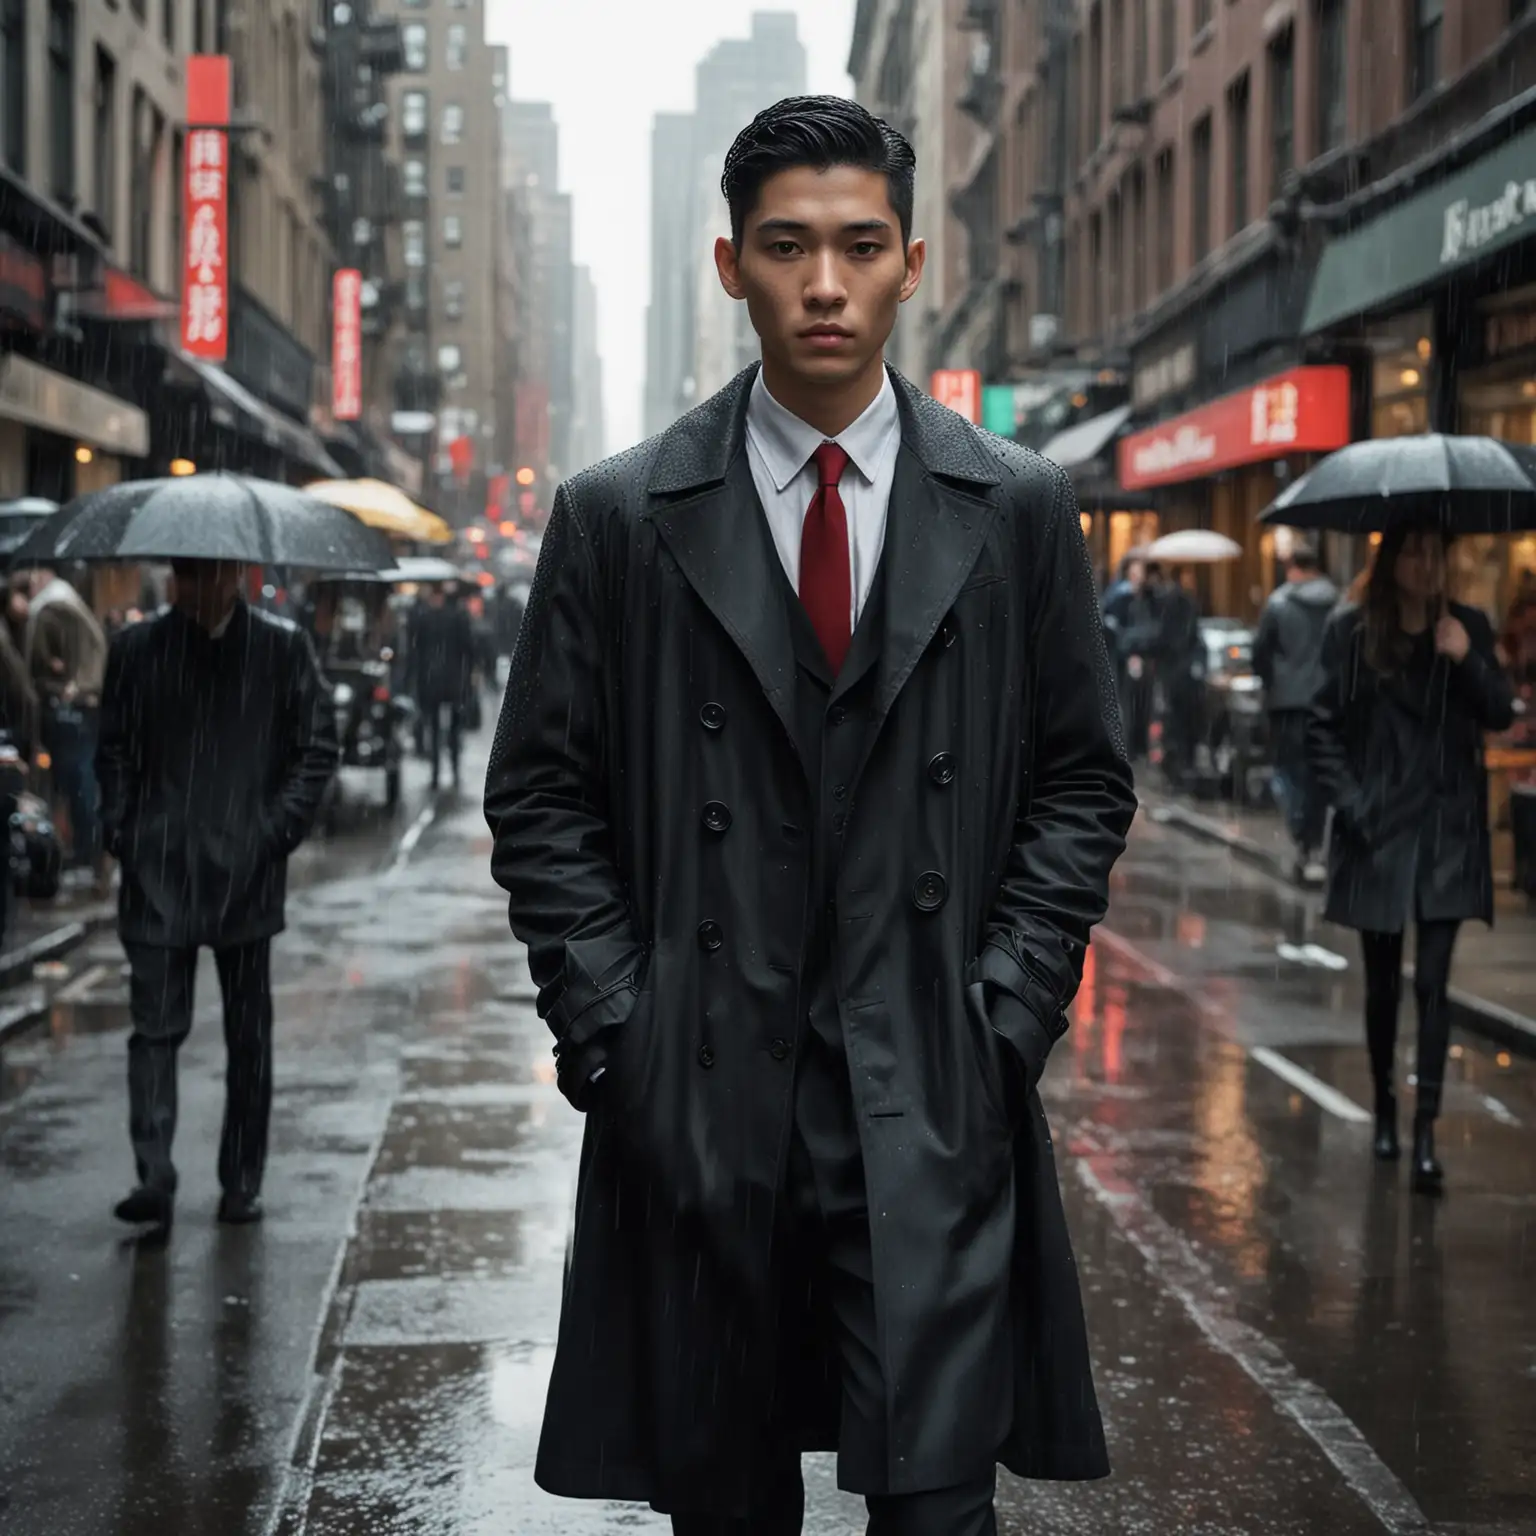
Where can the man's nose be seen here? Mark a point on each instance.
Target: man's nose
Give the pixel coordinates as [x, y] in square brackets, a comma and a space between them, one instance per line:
[824, 287]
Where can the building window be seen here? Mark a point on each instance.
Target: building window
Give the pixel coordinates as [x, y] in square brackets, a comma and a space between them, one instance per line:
[1095, 92]
[449, 358]
[413, 177]
[1425, 61]
[1139, 47]
[1200, 189]
[1330, 75]
[1138, 262]
[199, 28]
[453, 231]
[456, 45]
[168, 22]
[414, 35]
[1237, 135]
[1116, 54]
[456, 180]
[1282, 110]
[413, 114]
[147, 127]
[1095, 275]
[1168, 36]
[61, 100]
[13, 84]
[1165, 216]
[453, 299]
[1115, 266]
[453, 123]
[414, 240]
[1202, 15]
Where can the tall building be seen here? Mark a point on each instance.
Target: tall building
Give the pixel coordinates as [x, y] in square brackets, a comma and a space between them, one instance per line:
[697, 337]
[446, 138]
[541, 213]
[587, 444]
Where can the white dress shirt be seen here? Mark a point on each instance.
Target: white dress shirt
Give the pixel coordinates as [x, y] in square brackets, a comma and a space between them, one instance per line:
[781, 450]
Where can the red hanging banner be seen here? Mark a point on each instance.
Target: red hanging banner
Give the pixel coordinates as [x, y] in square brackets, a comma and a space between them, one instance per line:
[347, 344]
[205, 268]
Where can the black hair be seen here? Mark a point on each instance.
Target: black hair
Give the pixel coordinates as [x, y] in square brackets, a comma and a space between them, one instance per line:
[818, 131]
[1305, 558]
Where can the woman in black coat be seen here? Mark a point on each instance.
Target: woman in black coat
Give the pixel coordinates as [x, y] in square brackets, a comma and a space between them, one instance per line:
[1395, 738]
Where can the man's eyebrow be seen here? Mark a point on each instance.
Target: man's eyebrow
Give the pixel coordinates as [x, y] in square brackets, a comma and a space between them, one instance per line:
[779, 226]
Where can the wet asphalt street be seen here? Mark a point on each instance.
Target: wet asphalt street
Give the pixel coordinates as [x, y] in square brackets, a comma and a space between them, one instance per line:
[1285, 1340]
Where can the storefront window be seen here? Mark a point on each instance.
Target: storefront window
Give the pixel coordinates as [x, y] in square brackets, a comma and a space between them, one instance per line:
[1498, 401]
[1402, 355]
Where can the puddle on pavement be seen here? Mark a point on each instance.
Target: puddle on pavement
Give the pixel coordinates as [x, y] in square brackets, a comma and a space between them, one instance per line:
[433, 1135]
[408, 1245]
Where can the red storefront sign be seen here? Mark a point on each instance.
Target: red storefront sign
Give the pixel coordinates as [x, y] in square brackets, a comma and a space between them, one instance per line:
[347, 344]
[1304, 410]
[960, 390]
[205, 272]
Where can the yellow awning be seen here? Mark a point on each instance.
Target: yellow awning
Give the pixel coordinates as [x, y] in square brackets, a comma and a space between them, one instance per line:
[384, 507]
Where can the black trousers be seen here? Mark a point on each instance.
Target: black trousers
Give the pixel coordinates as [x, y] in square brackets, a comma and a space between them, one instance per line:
[1383, 993]
[438, 738]
[160, 1002]
[830, 1256]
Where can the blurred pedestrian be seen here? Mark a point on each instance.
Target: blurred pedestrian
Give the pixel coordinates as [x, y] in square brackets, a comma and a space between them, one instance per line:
[1179, 671]
[67, 657]
[442, 662]
[806, 792]
[217, 744]
[1287, 657]
[1130, 628]
[1395, 738]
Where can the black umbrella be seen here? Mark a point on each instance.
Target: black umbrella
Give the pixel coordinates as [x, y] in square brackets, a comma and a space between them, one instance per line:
[1460, 484]
[207, 517]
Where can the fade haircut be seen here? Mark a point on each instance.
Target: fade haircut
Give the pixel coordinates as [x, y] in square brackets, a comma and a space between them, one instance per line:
[820, 132]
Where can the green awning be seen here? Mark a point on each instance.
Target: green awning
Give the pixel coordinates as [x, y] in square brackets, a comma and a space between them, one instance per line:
[1489, 205]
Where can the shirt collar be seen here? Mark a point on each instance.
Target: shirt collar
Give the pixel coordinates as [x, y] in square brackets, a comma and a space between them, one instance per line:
[786, 443]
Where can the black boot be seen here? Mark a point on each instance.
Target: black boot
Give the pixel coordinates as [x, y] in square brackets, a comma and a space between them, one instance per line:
[1427, 1176]
[146, 1207]
[1385, 1145]
[237, 1210]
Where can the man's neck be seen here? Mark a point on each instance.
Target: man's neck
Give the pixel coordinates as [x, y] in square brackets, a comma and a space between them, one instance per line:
[830, 408]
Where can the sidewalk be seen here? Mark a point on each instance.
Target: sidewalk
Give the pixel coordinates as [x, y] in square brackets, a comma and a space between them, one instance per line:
[1495, 967]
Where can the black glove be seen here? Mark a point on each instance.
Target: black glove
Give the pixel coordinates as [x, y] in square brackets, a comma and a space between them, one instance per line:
[580, 1069]
[1025, 1043]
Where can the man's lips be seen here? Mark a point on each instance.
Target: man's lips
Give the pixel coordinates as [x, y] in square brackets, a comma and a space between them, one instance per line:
[824, 336]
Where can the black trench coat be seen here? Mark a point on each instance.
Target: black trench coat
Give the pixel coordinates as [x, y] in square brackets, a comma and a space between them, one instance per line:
[653, 674]
[1401, 761]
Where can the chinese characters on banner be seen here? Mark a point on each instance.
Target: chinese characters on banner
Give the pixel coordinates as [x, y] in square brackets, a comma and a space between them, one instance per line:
[205, 273]
[347, 344]
[960, 390]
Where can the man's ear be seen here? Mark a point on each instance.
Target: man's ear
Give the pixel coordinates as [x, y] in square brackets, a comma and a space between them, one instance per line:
[917, 254]
[728, 265]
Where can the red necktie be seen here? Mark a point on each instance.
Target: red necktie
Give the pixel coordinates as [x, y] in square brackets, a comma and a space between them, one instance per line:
[826, 584]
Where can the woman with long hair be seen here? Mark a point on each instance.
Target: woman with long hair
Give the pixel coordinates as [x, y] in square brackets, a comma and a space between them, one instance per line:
[1395, 738]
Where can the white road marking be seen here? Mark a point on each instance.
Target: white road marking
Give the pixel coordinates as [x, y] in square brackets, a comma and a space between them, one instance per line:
[1499, 1110]
[1187, 1277]
[77, 990]
[413, 834]
[1314, 1088]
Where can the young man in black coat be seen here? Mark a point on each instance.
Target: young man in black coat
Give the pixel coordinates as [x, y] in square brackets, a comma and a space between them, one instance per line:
[806, 792]
[217, 742]
[443, 665]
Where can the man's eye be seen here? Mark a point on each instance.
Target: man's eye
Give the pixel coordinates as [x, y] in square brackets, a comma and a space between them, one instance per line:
[784, 247]
[866, 248]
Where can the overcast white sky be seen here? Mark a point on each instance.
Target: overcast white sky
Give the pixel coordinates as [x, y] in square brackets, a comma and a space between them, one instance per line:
[608, 66]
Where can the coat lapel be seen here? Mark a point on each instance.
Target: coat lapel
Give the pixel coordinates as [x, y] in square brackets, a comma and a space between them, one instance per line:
[705, 508]
[939, 517]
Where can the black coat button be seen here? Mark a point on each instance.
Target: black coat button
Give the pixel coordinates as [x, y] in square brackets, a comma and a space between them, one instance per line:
[717, 815]
[711, 934]
[839, 818]
[941, 769]
[929, 891]
[839, 790]
[706, 1057]
[836, 715]
[779, 1050]
[712, 717]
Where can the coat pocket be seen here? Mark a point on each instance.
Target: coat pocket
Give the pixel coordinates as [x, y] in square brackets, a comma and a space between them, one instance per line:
[986, 1046]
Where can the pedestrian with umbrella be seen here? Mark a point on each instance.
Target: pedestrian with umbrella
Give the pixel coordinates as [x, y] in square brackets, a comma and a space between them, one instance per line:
[1410, 683]
[217, 742]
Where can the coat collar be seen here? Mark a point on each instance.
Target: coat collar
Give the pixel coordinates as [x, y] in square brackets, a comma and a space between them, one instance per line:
[705, 508]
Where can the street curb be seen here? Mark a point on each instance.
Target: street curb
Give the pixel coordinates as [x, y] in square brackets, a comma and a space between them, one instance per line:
[17, 965]
[1479, 1016]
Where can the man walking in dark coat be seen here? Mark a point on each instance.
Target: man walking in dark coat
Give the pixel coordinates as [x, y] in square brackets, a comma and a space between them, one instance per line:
[806, 791]
[443, 664]
[217, 743]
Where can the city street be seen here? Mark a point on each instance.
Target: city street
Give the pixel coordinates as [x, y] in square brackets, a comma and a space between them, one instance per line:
[1284, 1339]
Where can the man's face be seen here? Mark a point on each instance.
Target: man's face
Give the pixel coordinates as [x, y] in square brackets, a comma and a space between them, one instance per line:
[206, 589]
[822, 270]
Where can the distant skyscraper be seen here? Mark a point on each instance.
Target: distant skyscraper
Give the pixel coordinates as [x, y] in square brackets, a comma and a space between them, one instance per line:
[697, 338]
[587, 438]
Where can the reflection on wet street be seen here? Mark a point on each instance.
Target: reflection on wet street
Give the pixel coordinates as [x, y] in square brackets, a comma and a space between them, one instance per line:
[1285, 1340]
